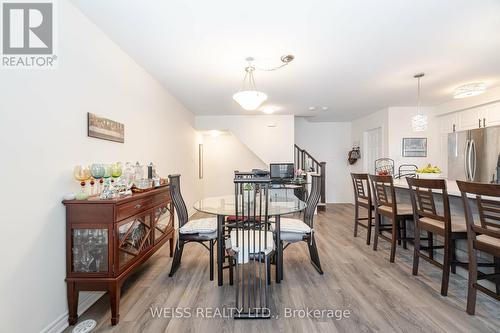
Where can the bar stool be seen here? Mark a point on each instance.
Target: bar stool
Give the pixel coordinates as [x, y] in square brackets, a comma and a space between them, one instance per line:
[386, 205]
[484, 236]
[362, 198]
[427, 218]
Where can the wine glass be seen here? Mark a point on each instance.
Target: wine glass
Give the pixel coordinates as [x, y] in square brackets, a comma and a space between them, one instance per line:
[116, 170]
[97, 171]
[107, 173]
[82, 174]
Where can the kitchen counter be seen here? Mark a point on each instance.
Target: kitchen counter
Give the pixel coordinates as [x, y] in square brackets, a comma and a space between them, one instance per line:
[451, 187]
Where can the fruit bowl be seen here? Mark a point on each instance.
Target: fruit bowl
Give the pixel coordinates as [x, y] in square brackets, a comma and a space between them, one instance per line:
[423, 175]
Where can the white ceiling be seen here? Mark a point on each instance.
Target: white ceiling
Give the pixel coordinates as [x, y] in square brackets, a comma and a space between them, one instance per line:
[353, 56]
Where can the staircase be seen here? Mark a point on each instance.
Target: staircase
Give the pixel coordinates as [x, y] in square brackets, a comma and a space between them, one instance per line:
[305, 161]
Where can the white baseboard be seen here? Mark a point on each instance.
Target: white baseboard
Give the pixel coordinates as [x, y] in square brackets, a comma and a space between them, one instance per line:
[60, 324]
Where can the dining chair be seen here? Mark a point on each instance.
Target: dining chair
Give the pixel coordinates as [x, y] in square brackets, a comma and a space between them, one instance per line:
[483, 236]
[198, 230]
[363, 199]
[296, 230]
[439, 222]
[386, 205]
[250, 246]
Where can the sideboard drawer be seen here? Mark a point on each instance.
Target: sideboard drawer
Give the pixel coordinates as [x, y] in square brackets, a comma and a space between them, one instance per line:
[131, 208]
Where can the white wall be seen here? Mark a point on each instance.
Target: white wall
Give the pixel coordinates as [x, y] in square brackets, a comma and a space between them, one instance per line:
[328, 142]
[360, 126]
[270, 137]
[400, 127]
[222, 155]
[43, 135]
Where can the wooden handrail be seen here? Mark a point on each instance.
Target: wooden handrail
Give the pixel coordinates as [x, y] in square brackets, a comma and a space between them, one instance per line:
[300, 156]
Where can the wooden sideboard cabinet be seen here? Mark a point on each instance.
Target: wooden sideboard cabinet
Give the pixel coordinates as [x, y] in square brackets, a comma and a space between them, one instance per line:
[107, 239]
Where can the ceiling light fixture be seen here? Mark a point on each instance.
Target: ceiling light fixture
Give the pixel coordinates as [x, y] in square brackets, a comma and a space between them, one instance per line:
[469, 90]
[268, 110]
[419, 121]
[248, 97]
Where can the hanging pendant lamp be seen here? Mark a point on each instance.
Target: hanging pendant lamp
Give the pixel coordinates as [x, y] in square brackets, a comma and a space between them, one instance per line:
[248, 97]
[419, 121]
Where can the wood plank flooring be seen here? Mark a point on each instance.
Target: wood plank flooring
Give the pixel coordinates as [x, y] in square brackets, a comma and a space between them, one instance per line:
[381, 297]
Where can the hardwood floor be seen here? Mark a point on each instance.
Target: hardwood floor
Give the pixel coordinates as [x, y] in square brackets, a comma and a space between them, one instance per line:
[379, 295]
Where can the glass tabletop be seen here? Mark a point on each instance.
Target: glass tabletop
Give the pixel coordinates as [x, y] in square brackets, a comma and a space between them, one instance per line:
[280, 203]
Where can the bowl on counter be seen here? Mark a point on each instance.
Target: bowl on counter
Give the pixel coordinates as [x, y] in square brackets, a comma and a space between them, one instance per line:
[429, 175]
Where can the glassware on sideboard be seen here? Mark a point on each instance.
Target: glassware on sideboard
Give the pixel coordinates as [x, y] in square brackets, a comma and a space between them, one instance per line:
[82, 174]
[97, 171]
[90, 250]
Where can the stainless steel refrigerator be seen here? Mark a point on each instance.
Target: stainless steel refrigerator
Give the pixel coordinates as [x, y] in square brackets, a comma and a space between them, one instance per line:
[473, 155]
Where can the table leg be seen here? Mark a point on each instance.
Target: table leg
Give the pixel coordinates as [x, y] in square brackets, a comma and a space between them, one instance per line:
[279, 258]
[220, 250]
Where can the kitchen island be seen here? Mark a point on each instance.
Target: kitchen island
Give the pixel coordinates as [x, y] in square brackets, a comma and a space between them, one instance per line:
[458, 216]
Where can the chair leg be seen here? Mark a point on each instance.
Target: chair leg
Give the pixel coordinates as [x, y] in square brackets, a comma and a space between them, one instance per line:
[176, 261]
[404, 234]
[268, 270]
[377, 231]
[453, 256]
[446, 266]
[497, 270]
[416, 249]
[399, 225]
[394, 238]
[211, 259]
[313, 252]
[472, 291]
[356, 220]
[430, 236]
[369, 224]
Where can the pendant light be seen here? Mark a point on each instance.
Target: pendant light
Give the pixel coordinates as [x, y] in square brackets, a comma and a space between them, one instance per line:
[419, 121]
[248, 96]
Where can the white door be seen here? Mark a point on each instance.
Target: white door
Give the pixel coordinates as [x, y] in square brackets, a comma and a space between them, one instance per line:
[492, 116]
[372, 142]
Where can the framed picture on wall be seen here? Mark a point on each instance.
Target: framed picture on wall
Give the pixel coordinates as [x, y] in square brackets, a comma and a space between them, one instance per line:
[414, 147]
[105, 129]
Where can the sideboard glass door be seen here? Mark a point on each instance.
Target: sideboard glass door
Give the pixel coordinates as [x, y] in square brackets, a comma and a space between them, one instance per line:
[89, 249]
[133, 237]
[162, 221]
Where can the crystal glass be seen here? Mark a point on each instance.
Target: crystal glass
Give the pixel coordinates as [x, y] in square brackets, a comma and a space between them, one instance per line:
[97, 171]
[82, 174]
[116, 170]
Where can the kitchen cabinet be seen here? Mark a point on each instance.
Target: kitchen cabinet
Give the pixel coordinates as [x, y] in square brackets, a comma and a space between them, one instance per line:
[448, 123]
[492, 115]
[471, 119]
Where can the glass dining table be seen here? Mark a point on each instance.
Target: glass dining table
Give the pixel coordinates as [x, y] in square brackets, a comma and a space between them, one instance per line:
[281, 202]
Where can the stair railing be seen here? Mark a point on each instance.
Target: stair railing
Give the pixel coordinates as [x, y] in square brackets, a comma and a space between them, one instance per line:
[305, 161]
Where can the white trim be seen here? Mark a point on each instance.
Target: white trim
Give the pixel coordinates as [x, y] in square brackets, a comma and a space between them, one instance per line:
[60, 324]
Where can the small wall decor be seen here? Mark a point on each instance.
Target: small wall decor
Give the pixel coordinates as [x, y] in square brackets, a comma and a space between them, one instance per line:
[106, 129]
[200, 161]
[414, 147]
[354, 155]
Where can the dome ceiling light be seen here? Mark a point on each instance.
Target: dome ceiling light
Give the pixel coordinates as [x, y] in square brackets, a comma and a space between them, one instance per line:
[248, 97]
[469, 90]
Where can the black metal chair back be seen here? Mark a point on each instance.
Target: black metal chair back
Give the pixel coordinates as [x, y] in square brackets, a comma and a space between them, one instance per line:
[253, 240]
[312, 200]
[179, 204]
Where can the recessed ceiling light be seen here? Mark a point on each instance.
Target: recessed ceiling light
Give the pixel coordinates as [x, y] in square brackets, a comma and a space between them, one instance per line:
[214, 133]
[312, 108]
[268, 110]
[469, 90]
[324, 108]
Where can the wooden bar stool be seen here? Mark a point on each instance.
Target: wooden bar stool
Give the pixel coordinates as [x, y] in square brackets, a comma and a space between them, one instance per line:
[362, 198]
[427, 218]
[386, 205]
[484, 236]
